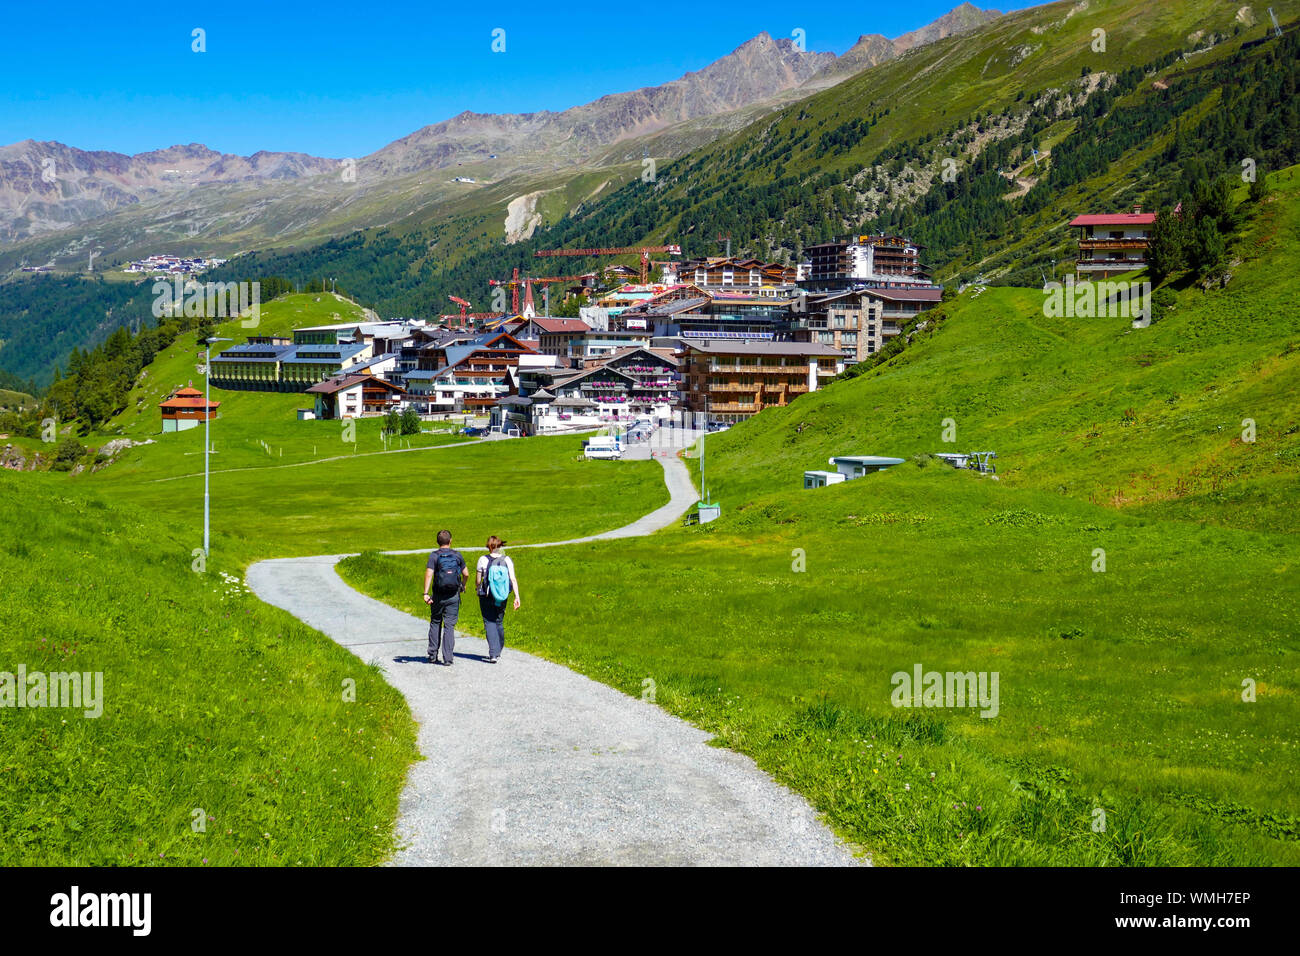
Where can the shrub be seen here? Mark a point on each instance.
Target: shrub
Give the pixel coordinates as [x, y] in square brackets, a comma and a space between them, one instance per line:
[67, 453]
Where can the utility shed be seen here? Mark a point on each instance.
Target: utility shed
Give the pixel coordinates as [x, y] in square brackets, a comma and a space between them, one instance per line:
[820, 479]
[855, 466]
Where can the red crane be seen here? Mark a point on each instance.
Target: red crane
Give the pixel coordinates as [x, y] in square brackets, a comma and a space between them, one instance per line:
[527, 282]
[466, 317]
[642, 251]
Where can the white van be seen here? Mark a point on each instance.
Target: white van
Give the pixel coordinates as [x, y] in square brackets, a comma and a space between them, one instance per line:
[603, 447]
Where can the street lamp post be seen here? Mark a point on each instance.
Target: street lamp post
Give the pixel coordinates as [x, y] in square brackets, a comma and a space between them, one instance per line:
[207, 445]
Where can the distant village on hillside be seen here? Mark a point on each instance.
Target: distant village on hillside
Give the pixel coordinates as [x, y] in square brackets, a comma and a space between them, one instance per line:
[721, 336]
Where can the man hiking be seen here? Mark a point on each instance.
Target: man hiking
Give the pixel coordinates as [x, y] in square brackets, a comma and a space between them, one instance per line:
[444, 578]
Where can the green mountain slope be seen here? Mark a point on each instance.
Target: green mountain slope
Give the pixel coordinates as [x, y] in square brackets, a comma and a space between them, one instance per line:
[1144, 419]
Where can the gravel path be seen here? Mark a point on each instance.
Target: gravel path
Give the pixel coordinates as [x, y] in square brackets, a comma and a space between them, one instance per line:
[528, 762]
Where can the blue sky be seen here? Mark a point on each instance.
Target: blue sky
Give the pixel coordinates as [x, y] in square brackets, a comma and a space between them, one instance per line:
[343, 79]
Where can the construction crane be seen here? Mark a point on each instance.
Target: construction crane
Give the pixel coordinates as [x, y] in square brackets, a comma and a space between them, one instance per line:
[513, 283]
[466, 317]
[527, 282]
[642, 251]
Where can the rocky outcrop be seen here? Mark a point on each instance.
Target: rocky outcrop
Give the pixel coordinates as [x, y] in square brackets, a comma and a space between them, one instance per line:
[12, 457]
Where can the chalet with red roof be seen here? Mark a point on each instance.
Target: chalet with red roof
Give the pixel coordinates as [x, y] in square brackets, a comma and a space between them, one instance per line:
[185, 408]
[1112, 243]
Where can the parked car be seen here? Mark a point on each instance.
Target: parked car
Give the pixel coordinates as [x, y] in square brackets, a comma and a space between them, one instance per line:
[603, 448]
[471, 430]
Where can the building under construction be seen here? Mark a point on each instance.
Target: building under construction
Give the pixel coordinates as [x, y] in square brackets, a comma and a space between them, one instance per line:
[864, 261]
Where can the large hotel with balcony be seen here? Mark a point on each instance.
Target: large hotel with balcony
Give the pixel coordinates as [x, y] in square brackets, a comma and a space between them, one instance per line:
[730, 381]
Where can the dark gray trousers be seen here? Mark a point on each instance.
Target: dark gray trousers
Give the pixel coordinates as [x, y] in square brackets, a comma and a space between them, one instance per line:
[494, 623]
[443, 613]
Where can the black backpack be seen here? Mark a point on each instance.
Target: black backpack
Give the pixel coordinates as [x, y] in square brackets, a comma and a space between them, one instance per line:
[446, 573]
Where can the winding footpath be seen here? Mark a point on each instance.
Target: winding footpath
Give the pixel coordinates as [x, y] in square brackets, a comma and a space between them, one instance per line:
[528, 762]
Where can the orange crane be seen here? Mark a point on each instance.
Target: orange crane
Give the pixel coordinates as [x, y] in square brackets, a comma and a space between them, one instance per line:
[642, 251]
[527, 282]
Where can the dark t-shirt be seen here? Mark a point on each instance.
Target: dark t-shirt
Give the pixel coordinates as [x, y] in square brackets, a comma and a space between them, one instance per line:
[433, 566]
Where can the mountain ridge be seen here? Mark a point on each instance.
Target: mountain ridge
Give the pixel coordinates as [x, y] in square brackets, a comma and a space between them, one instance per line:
[91, 185]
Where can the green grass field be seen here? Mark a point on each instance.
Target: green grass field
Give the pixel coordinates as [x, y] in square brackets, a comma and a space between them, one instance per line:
[1129, 575]
[225, 736]
[12, 399]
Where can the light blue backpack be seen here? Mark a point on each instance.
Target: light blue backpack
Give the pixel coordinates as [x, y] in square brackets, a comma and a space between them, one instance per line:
[498, 580]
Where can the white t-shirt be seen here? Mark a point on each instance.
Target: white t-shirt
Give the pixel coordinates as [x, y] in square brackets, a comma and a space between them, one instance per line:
[481, 567]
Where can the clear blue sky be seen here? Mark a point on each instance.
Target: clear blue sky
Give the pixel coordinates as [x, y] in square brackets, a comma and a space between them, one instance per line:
[343, 79]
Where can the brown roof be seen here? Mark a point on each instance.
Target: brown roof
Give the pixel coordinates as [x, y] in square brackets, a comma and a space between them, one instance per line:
[333, 385]
[561, 325]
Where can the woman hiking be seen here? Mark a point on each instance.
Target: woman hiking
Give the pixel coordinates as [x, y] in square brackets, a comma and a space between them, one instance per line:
[496, 581]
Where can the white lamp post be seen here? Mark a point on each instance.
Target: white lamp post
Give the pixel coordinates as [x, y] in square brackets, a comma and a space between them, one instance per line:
[207, 445]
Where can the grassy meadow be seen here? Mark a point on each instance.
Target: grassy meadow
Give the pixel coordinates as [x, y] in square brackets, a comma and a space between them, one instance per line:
[212, 702]
[1131, 577]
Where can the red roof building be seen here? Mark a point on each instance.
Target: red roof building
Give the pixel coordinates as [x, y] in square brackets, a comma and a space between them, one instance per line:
[185, 408]
[1112, 243]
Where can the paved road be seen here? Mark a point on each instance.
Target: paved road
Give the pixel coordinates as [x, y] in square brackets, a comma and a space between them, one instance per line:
[528, 762]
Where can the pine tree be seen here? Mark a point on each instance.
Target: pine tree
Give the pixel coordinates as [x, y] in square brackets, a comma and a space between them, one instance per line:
[1166, 254]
